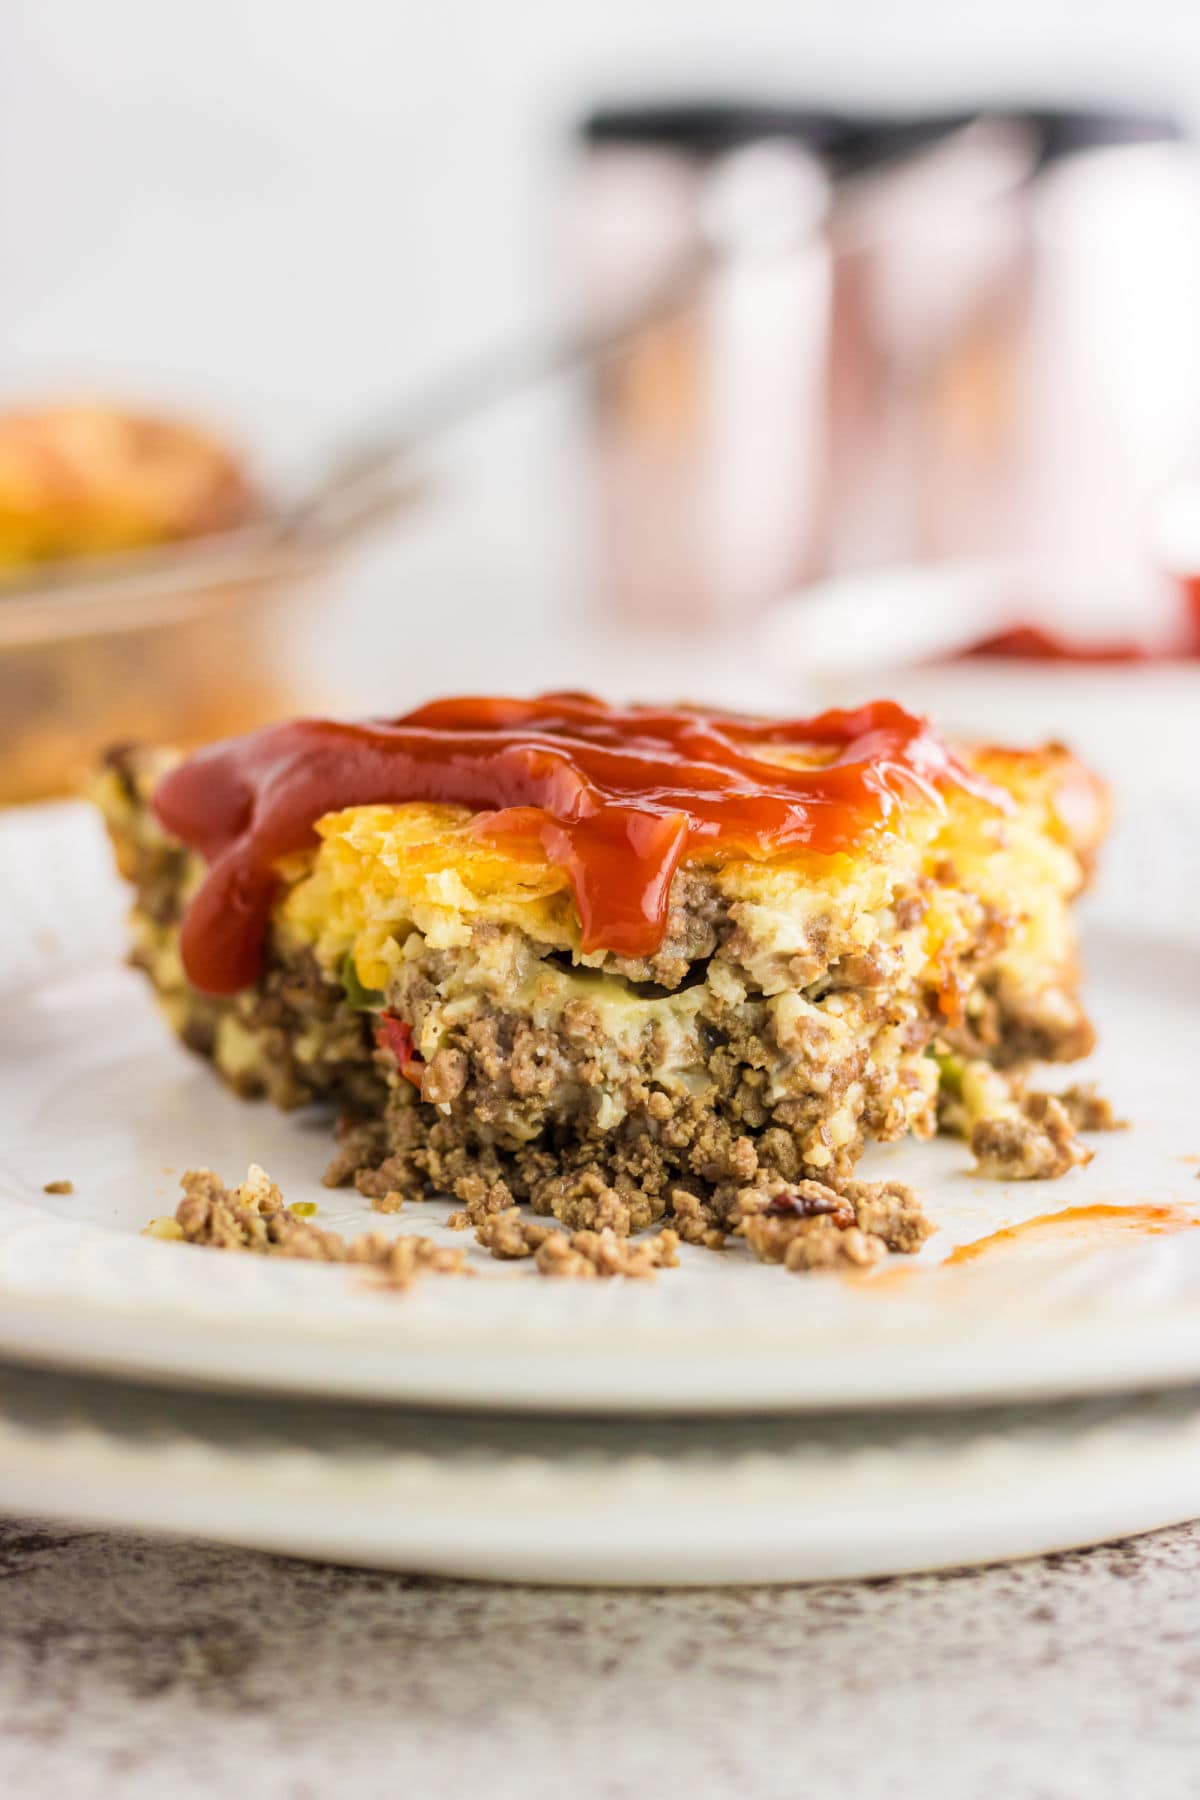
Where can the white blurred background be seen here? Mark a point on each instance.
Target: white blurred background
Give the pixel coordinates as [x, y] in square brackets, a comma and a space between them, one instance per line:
[278, 212]
[278, 216]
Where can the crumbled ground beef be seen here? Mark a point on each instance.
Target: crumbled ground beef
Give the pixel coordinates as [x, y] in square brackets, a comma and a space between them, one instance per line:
[390, 1202]
[890, 1210]
[252, 1217]
[1036, 1144]
[362, 1145]
[694, 1219]
[811, 1226]
[589, 1253]
[1011, 1026]
[1086, 1107]
[806, 1244]
[509, 1236]
[584, 1253]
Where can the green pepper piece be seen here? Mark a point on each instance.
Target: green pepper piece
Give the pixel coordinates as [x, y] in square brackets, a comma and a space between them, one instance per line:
[362, 999]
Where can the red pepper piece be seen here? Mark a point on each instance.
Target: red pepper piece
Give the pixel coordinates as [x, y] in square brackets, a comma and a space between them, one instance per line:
[393, 1034]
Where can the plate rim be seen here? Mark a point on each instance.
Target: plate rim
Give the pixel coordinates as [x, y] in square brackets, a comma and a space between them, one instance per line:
[911, 1491]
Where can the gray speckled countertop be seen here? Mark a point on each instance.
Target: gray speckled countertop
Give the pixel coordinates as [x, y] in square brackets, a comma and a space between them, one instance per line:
[142, 1668]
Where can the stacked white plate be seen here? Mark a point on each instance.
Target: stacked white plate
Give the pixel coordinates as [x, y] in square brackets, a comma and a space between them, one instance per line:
[725, 1423]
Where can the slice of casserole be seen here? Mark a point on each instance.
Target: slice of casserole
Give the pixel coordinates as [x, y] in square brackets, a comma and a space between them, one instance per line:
[623, 965]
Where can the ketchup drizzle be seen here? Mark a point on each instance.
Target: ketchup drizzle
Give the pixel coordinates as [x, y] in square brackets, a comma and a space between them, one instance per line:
[616, 797]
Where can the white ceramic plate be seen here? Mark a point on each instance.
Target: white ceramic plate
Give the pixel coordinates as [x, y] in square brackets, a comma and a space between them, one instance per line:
[651, 1502]
[92, 1090]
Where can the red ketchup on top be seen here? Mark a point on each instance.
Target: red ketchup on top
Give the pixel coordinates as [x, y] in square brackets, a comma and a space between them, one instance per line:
[616, 797]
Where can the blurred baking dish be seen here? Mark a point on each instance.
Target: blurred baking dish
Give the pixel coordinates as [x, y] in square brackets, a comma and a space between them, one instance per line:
[142, 583]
